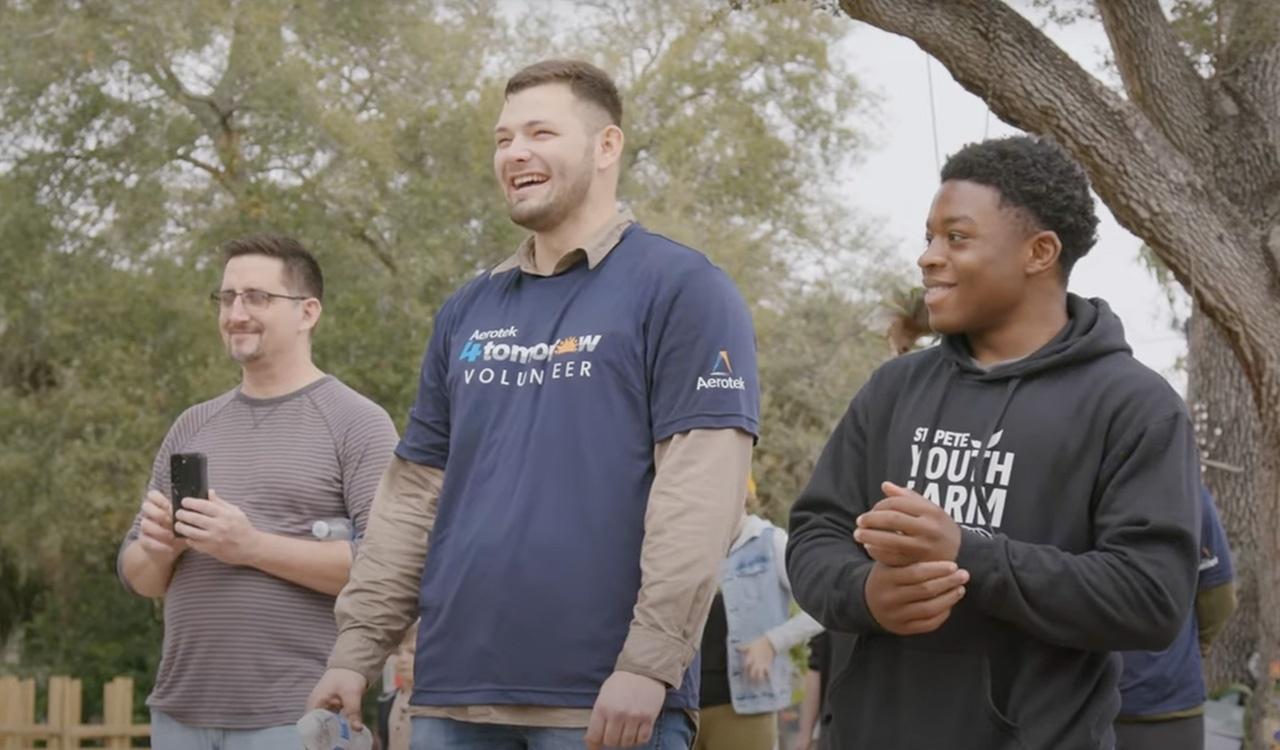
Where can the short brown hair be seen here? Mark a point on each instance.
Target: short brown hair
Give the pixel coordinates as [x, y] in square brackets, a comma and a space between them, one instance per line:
[586, 81]
[301, 270]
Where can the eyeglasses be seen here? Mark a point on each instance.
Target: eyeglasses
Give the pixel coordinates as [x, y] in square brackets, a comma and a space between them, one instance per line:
[253, 299]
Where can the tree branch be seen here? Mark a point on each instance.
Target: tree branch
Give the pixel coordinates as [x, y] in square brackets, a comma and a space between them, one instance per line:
[1248, 83]
[1153, 189]
[203, 108]
[1251, 27]
[1158, 76]
[368, 236]
[205, 166]
[376, 248]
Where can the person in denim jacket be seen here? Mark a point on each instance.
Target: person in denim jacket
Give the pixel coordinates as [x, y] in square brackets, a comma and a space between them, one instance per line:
[746, 668]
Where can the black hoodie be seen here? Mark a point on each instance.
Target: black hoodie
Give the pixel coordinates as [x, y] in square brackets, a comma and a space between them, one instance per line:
[1081, 540]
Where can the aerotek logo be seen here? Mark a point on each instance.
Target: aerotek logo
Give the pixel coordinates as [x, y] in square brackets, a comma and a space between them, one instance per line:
[721, 375]
[509, 332]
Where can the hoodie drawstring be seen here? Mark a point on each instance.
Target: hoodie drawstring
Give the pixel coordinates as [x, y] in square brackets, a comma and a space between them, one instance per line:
[942, 401]
[979, 475]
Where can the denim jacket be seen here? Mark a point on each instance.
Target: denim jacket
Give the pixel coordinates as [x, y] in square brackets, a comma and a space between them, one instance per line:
[757, 600]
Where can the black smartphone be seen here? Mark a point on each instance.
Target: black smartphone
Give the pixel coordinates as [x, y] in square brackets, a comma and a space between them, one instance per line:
[188, 477]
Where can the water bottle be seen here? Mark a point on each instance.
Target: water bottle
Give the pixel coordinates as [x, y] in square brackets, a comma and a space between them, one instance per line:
[331, 528]
[322, 729]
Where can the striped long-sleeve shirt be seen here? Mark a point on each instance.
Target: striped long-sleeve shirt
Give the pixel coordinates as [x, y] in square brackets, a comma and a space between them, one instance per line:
[242, 648]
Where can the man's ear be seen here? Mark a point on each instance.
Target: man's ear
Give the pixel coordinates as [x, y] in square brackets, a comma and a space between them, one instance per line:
[311, 310]
[609, 144]
[1042, 253]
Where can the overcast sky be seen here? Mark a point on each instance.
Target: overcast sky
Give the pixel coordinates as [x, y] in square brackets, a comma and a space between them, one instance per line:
[896, 181]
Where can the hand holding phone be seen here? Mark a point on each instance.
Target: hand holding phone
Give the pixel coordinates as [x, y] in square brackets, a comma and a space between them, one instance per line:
[188, 477]
[155, 530]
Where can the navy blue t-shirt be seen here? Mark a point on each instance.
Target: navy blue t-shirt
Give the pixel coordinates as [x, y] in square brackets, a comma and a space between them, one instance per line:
[1162, 682]
[542, 399]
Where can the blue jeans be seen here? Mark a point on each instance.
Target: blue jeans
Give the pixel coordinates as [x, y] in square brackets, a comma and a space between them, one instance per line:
[170, 734]
[672, 731]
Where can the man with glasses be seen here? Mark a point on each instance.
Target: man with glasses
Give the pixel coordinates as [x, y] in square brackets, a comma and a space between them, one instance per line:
[248, 593]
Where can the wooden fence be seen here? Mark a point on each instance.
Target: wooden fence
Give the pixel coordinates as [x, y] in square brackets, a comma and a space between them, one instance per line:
[63, 730]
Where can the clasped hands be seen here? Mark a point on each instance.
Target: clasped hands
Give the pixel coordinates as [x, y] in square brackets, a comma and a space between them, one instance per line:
[915, 581]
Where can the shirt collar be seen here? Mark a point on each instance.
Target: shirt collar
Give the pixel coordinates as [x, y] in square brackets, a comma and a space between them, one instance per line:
[749, 527]
[594, 250]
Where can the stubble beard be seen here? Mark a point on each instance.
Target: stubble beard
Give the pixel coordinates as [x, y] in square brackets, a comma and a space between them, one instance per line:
[555, 208]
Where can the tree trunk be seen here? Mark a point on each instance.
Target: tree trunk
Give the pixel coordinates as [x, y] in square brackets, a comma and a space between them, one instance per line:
[1265, 726]
[1266, 722]
[1227, 425]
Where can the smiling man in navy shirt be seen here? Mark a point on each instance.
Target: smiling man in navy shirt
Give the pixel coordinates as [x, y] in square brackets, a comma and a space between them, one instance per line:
[577, 456]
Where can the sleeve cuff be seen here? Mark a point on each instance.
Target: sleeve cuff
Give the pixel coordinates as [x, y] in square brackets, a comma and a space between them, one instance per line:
[707, 422]
[977, 554]
[421, 457]
[655, 655]
[851, 605]
[358, 654]
[800, 628]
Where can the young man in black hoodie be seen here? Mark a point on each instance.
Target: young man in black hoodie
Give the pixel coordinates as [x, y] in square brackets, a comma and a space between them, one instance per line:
[995, 515]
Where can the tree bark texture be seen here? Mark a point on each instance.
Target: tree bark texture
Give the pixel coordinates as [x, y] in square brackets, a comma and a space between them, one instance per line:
[1227, 426]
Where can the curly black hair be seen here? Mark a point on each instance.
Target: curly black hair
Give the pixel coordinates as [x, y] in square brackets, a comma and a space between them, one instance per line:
[1039, 177]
